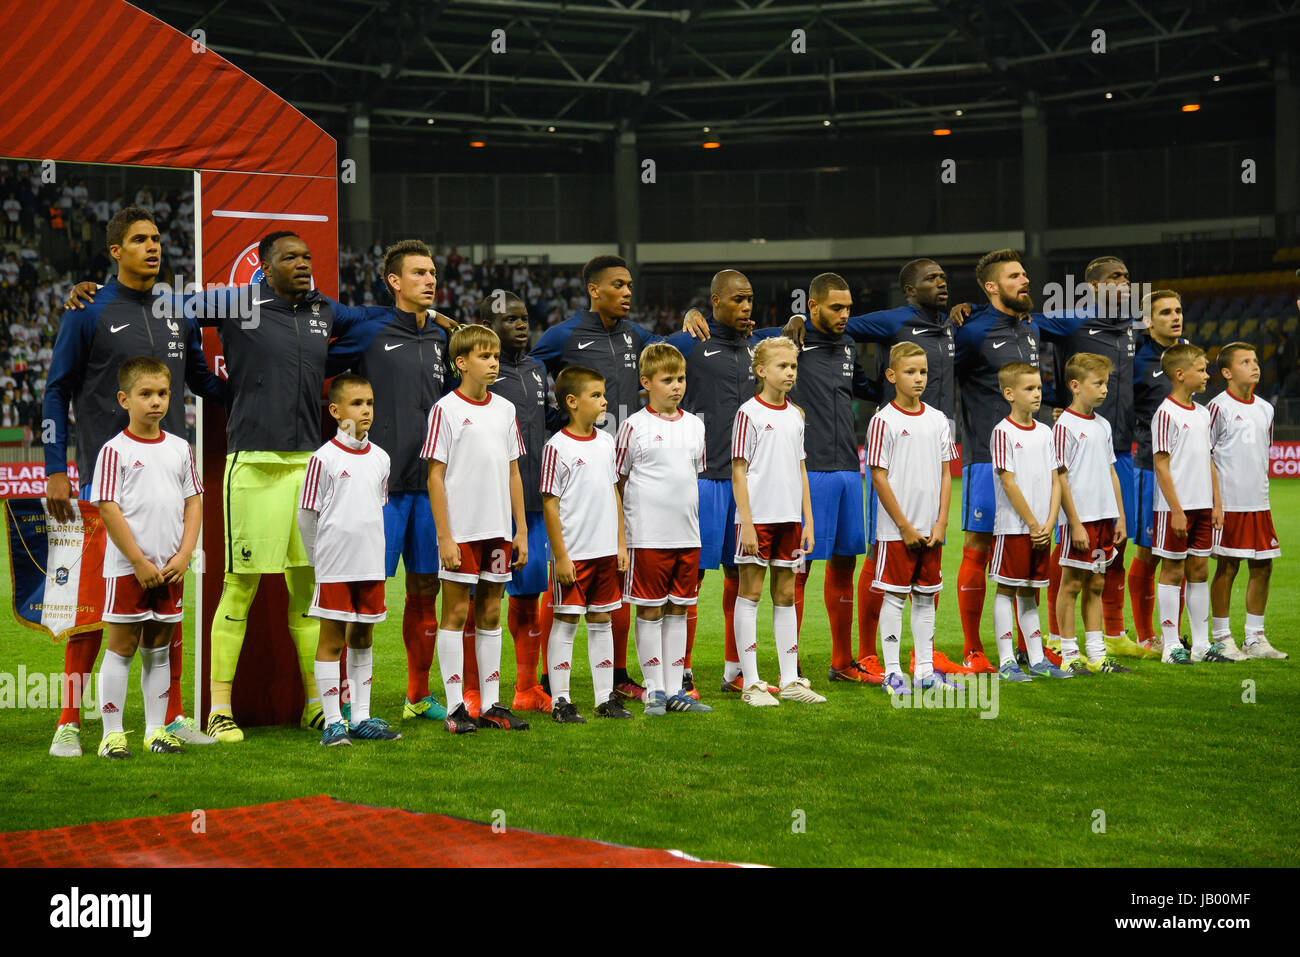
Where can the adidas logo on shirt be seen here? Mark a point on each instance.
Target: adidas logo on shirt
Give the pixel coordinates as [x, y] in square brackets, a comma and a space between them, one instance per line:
[138, 464]
[767, 428]
[905, 434]
[345, 474]
[1019, 446]
[467, 422]
[579, 462]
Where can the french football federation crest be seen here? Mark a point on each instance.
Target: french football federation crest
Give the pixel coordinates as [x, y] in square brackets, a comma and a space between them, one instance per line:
[627, 337]
[537, 376]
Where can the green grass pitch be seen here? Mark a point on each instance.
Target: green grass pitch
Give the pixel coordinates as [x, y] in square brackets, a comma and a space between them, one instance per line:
[1184, 770]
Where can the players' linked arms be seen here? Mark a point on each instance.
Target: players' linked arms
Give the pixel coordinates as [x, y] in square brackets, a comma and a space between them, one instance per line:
[795, 329]
[82, 293]
[695, 324]
[960, 312]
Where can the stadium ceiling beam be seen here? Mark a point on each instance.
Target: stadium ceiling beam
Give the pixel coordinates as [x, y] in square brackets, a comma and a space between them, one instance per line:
[940, 44]
[840, 76]
[809, 10]
[468, 118]
[907, 113]
[1029, 28]
[293, 31]
[518, 6]
[858, 41]
[1078, 22]
[707, 62]
[1136, 42]
[432, 74]
[1146, 85]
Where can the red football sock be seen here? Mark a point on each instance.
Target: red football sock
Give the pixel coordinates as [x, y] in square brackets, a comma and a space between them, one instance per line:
[970, 597]
[730, 589]
[523, 620]
[1142, 596]
[546, 618]
[1112, 595]
[837, 594]
[470, 673]
[800, 581]
[621, 619]
[870, 601]
[175, 702]
[420, 635]
[1054, 587]
[79, 656]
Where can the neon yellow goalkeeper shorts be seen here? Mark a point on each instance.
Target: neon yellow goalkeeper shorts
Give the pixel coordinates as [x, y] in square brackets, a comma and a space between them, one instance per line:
[260, 494]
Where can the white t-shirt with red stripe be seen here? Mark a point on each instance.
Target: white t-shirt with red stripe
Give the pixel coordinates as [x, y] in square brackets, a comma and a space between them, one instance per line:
[347, 486]
[1027, 452]
[661, 458]
[914, 448]
[149, 480]
[1184, 432]
[580, 472]
[770, 439]
[1084, 448]
[477, 439]
[1241, 433]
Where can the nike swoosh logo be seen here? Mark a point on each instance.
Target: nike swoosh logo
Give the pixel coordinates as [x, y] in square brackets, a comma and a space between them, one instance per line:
[917, 332]
[1093, 332]
[1158, 374]
[391, 348]
[998, 345]
[583, 345]
[707, 353]
[260, 302]
[118, 328]
[808, 348]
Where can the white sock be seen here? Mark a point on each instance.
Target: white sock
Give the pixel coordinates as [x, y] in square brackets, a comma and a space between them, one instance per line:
[785, 629]
[891, 632]
[1168, 598]
[923, 633]
[600, 655]
[451, 663]
[1198, 614]
[487, 648]
[1002, 625]
[559, 656]
[1054, 638]
[650, 652]
[1031, 626]
[1220, 628]
[746, 624]
[1095, 643]
[331, 691]
[1070, 649]
[1254, 626]
[730, 669]
[361, 672]
[155, 683]
[674, 653]
[113, 674]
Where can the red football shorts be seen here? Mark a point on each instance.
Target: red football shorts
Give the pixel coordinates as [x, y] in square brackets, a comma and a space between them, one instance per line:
[1101, 546]
[126, 601]
[658, 575]
[349, 601]
[1198, 541]
[1016, 562]
[596, 587]
[486, 560]
[1247, 535]
[902, 569]
[778, 545]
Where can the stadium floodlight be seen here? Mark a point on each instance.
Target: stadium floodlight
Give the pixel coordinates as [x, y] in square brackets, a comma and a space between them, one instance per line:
[711, 145]
[941, 131]
[1191, 107]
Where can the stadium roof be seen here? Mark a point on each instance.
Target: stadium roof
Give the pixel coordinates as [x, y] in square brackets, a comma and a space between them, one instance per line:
[574, 73]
